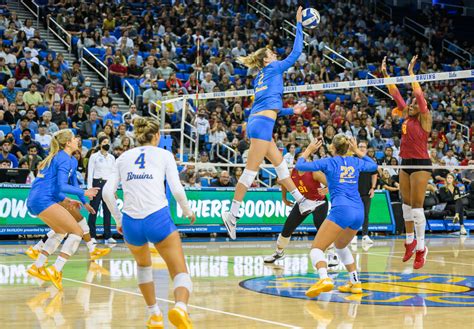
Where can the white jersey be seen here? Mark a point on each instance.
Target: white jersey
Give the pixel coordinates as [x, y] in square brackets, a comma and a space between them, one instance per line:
[142, 171]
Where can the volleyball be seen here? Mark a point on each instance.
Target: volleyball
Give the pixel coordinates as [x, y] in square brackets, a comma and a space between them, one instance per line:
[311, 18]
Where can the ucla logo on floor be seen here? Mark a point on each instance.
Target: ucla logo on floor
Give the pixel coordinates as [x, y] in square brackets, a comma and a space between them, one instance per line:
[395, 289]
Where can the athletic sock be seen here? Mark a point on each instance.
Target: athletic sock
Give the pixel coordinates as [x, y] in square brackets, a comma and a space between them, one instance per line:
[60, 262]
[234, 208]
[41, 260]
[296, 194]
[182, 306]
[39, 245]
[323, 273]
[153, 309]
[353, 277]
[90, 246]
[409, 238]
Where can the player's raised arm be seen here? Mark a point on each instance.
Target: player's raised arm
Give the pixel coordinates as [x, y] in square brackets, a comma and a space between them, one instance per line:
[401, 105]
[297, 45]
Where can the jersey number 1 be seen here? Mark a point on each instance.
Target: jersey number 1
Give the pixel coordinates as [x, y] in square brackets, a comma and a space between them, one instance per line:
[141, 161]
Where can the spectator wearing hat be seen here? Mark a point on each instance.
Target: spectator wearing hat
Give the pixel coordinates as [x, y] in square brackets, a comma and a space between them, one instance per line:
[450, 159]
[51, 127]
[5, 148]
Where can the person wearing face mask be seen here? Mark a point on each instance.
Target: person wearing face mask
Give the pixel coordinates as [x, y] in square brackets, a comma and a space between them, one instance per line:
[100, 166]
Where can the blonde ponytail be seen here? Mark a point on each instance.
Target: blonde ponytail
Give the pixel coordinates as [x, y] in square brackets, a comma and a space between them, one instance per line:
[255, 59]
[341, 144]
[145, 129]
[58, 142]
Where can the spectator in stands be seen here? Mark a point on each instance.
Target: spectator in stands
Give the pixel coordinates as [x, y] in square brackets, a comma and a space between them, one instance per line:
[114, 116]
[57, 115]
[164, 70]
[132, 112]
[32, 124]
[388, 156]
[451, 135]
[5, 148]
[299, 136]
[117, 71]
[5, 164]
[5, 72]
[133, 69]
[22, 74]
[203, 167]
[386, 131]
[122, 134]
[109, 40]
[136, 56]
[387, 183]
[43, 138]
[73, 76]
[17, 133]
[208, 84]
[79, 117]
[377, 142]
[451, 195]
[104, 95]
[12, 115]
[10, 92]
[289, 157]
[100, 108]
[50, 126]
[92, 127]
[27, 140]
[449, 159]
[32, 158]
[150, 96]
[33, 96]
[223, 181]
[458, 143]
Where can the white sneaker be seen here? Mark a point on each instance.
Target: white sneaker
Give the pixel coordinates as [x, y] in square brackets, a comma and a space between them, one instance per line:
[462, 231]
[274, 257]
[94, 241]
[110, 241]
[367, 240]
[230, 223]
[307, 206]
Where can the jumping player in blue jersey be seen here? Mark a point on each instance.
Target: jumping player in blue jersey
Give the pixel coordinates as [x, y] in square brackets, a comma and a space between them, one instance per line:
[266, 108]
[347, 210]
[94, 252]
[49, 187]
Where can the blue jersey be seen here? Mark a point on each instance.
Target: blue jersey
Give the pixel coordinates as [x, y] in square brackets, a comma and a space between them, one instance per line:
[53, 181]
[269, 82]
[342, 175]
[72, 180]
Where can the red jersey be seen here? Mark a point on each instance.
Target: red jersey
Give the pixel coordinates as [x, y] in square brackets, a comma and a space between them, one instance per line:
[414, 144]
[307, 185]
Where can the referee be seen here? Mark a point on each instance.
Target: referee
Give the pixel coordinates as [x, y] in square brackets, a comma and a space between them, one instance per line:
[101, 164]
[367, 185]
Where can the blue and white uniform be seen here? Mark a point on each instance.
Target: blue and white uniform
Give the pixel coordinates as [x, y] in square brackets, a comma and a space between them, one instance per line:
[51, 184]
[72, 180]
[142, 171]
[269, 91]
[342, 175]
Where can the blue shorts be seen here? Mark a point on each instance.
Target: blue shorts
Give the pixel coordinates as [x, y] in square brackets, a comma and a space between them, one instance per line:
[154, 228]
[38, 202]
[347, 217]
[260, 127]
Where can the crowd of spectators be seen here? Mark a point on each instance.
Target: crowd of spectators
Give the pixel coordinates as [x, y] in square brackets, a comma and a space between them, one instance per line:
[154, 46]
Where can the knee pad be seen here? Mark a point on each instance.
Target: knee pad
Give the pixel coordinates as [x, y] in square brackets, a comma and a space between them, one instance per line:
[144, 274]
[345, 256]
[71, 244]
[407, 213]
[282, 170]
[183, 280]
[316, 255]
[283, 242]
[84, 226]
[418, 216]
[53, 242]
[247, 178]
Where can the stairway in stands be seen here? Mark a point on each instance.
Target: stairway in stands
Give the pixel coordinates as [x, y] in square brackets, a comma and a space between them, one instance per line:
[58, 47]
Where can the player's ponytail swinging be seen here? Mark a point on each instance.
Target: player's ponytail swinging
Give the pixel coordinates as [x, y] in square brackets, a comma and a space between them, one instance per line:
[255, 59]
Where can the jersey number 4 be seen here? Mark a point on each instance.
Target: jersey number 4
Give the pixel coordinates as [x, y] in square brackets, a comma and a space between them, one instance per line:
[141, 161]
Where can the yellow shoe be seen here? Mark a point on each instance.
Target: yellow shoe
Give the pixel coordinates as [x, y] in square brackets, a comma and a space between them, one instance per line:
[155, 322]
[323, 285]
[99, 252]
[55, 276]
[180, 318]
[32, 253]
[39, 273]
[353, 288]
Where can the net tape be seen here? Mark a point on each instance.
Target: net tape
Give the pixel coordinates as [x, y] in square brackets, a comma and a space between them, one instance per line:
[454, 75]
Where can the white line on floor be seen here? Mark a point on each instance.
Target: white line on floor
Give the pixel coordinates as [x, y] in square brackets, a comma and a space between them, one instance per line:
[193, 306]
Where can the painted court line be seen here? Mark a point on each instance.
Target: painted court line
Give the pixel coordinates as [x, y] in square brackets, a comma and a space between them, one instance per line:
[193, 306]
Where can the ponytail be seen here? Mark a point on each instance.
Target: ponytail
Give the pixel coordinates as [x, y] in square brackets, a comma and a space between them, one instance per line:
[58, 142]
[255, 59]
[341, 144]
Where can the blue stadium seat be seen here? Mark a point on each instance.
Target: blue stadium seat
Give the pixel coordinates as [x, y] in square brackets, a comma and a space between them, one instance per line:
[372, 68]
[181, 67]
[6, 129]
[362, 74]
[87, 143]
[166, 142]
[240, 72]
[204, 182]
[162, 85]
[180, 76]
[266, 175]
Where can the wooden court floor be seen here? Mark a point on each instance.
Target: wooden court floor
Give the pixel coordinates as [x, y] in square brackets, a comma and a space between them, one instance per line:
[233, 289]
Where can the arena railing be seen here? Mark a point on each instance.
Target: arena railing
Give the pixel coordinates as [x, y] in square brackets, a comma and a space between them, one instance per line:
[33, 8]
[464, 129]
[128, 92]
[416, 27]
[457, 51]
[230, 153]
[60, 33]
[263, 10]
[383, 8]
[95, 63]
